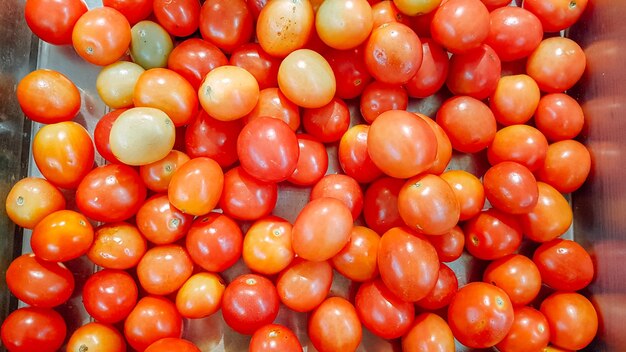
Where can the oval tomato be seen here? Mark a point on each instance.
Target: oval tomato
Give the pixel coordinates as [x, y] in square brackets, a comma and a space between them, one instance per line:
[514, 32]
[517, 275]
[452, 21]
[304, 285]
[133, 10]
[246, 198]
[432, 74]
[48, 96]
[117, 246]
[492, 234]
[31, 199]
[515, 99]
[102, 133]
[33, 329]
[164, 269]
[335, 326]
[343, 188]
[559, 117]
[379, 97]
[564, 265]
[343, 25]
[382, 312]
[475, 72]
[449, 246]
[357, 260]
[273, 103]
[556, 15]
[228, 93]
[214, 242]
[53, 20]
[274, 338]
[189, 191]
[96, 337]
[228, 25]
[522, 144]
[566, 167]
[511, 187]
[468, 122]
[393, 53]
[329, 122]
[468, 190]
[200, 296]
[101, 35]
[429, 332]
[180, 18]
[212, 138]
[116, 83]
[572, 320]
[152, 319]
[249, 302]
[556, 64]
[284, 26]
[381, 204]
[267, 245]
[529, 332]
[550, 218]
[157, 175]
[306, 78]
[350, 71]
[62, 236]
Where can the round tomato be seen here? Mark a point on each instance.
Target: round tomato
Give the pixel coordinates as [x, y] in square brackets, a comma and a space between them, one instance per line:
[550, 218]
[273, 103]
[152, 319]
[193, 58]
[441, 295]
[101, 35]
[214, 242]
[33, 329]
[284, 26]
[449, 246]
[492, 234]
[468, 122]
[212, 138]
[557, 64]
[329, 122]
[393, 53]
[556, 15]
[62, 236]
[172, 344]
[312, 162]
[189, 191]
[529, 332]
[514, 33]
[228, 93]
[566, 167]
[460, 25]
[429, 332]
[432, 74]
[572, 320]
[96, 337]
[343, 24]
[517, 275]
[559, 117]
[200, 296]
[379, 97]
[110, 295]
[515, 99]
[228, 25]
[133, 10]
[267, 245]
[469, 192]
[246, 198]
[475, 72]
[31, 199]
[116, 83]
[249, 302]
[48, 96]
[150, 45]
[164, 269]
[381, 204]
[306, 78]
[564, 265]
[53, 20]
[357, 260]
[180, 18]
[523, 144]
[303, 285]
[351, 74]
[511, 187]
[354, 157]
[335, 326]
[274, 338]
[382, 312]
[117, 246]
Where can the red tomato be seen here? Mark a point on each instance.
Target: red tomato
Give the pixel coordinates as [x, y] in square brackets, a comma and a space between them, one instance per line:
[559, 117]
[556, 15]
[444, 147]
[350, 71]
[117, 246]
[249, 303]
[101, 36]
[212, 138]
[96, 337]
[429, 332]
[357, 260]
[514, 33]
[110, 295]
[441, 295]
[31, 199]
[214, 242]
[161, 223]
[321, 229]
[284, 26]
[157, 175]
[432, 73]
[468, 122]
[102, 132]
[194, 58]
[517, 275]
[557, 64]
[564, 265]
[492, 234]
[474, 72]
[152, 319]
[529, 332]
[566, 167]
[304, 285]
[480, 315]
[379, 97]
[260, 64]
[550, 218]
[273, 103]
[268, 149]
[172, 344]
[39, 283]
[274, 338]
[381, 204]
[335, 326]
[387, 11]
[354, 157]
[515, 99]
[133, 10]
[382, 312]
[62, 236]
[256, 6]
[343, 188]
[267, 246]
[111, 193]
[47, 96]
[180, 18]
[449, 246]
[523, 144]
[328, 123]
[189, 191]
[572, 320]
[312, 162]
[246, 198]
[53, 20]
[164, 269]
[228, 25]
[511, 187]
[33, 329]
[468, 190]
[200, 296]
[460, 25]
[408, 264]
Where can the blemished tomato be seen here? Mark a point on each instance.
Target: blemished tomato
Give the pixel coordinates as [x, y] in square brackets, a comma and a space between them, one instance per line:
[152, 319]
[101, 135]
[304, 285]
[273, 103]
[514, 100]
[429, 332]
[468, 190]
[62, 236]
[530, 332]
[200, 296]
[393, 53]
[514, 33]
[329, 122]
[523, 144]
[343, 188]
[475, 72]
[160, 222]
[96, 337]
[214, 242]
[449, 246]
[335, 326]
[306, 78]
[111, 193]
[189, 190]
[164, 269]
[133, 10]
[64, 153]
[556, 64]
[379, 97]
[284, 26]
[408, 264]
[228, 25]
[180, 18]
[517, 275]
[564, 265]
[550, 218]
[31, 199]
[249, 303]
[212, 138]
[566, 167]
[480, 315]
[468, 122]
[274, 338]
[157, 175]
[343, 24]
[354, 157]
[358, 259]
[246, 198]
[101, 35]
[172, 344]
[110, 295]
[559, 117]
[511, 187]
[228, 93]
[48, 96]
[312, 161]
[33, 329]
[260, 64]
[53, 20]
[441, 295]
[432, 74]
[39, 283]
[116, 83]
[492, 234]
[321, 229]
[351, 74]
[193, 58]
[380, 209]
[572, 320]
[452, 21]
[117, 246]
[556, 15]
[267, 245]
[382, 312]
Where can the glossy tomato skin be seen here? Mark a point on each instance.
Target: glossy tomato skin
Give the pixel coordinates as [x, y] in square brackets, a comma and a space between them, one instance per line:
[511, 187]
[441, 295]
[350, 71]
[380, 208]
[519, 143]
[101, 35]
[357, 260]
[452, 21]
[48, 96]
[200, 296]
[228, 93]
[432, 74]
[102, 133]
[354, 157]
[284, 26]
[566, 167]
[492, 234]
[110, 295]
[194, 58]
[429, 332]
[212, 138]
[530, 332]
[164, 269]
[260, 64]
[274, 338]
[133, 10]
[556, 15]
[556, 64]
[343, 188]
[61, 236]
[249, 302]
[33, 329]
[111, 193]
[449, 246]
[480, 315]
[379, 97]
[96, 337]
[273, 103]
[226, 24]
[564, 265]
[329, 122]
[515, 99]
[306, 78]
[475, 72]
[468, 122]
[172, 344]
[559, 117]
[31, 199]
[267, 245]
[335, 326]
[157, 175]
[180, 18]
[304, 285]
[39, 283]
[53, 20]
[214, 242]
[468, 190]
[517, 275]
[550, 218]
[246, 198]
[572, 319]
[514, 32]
[189, 190]
[381, 311]
[117, 245]
[152, 319]
[312, 162]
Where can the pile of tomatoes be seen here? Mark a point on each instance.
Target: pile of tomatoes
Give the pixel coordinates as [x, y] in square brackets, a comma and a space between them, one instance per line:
[217, 105]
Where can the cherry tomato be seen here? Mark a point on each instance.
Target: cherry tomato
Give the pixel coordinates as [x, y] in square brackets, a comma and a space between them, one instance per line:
[189, 190]
[273, 103]
[468, 122]
[249, 303]
[62, 236]
[267, 245]
[379, 97]
[387, 11]
[161, 223]
[441, 295]
[312, 162]
[164, 269]
[116, 83]
[48, 96]
[514, 32]
[550, 218]
[228, 93]
[212, 138]
[492, 234]
[429, 332]
[475, 72]
[354, 157]
[556, 65]
[468, 190]
[306, 78]
[517, 275]
[511, 187]
[529, 332]
[246, 198]
[260, 64]
[193, 58]
[566, 167]
[133, 10]
[572, 320]
[304, 285]
[117, 246]
[444, 147]
[180, 18]
[432, 73]
[214, 242]
[556, 15]
[351, 74]
[172, 344]
[381, 204]
[559, 117]
[33, 329]
[514, 100]
[228, 25]
[357, 260]
[31, 199]
[200, 296]
[329, 122]
[96, 337]
[343, 188]
[335, 326]
[564, 265]
[53, 20]
[393, 53]
[284, 26]
[381, 311]
[523, 144]
[157, 175]
[101, 36]
[274, 338]
[449, 246]
[343, 24]
[102, 132]
[152, 319]
[109, 295]
[460, 25]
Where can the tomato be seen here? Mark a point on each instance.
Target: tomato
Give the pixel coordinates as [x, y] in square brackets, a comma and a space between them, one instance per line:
[179, 17]
[566, 167]
[550, 218]
[514, 32]
[475, 72]
[212, 138]
[31, 199]
[150, 45]
[354, 157]
[111, 193]
[460, 25]
[529, 332]
[511, 187]
[343, 24]
[343, 188]
[449, 246]
[152, 319]
[97, 337]
[381, 204]
[306, 78]
[557, 64]
[304, 285]
[101, 36]
[556, 15]
[273, 103]
[117, 246]
[267, 245]
[268, 149]
[321, 229]
[164, 269]
[335, 326]
[260, 64]
[468, 122]
[350, 72]
[572, 320]
[284, 26]
[246, 198]
[393, 53]
[228, 93]
[514, 100]
[329, 122]
[160, 222]
[33, 329]
[64, 153]
[214, 242]
[441, 295]
[62, 236]
[172, 344]
[312, 161]
[249, 302]
[468, 190]
[381, 311]
[101, 135]
[492, 234]
[432, 73]
[480, 315]
[109, 295]
[48, 96]
[413, 8]
[39, 283]
[116, 83]
[429, 332]
[564, 265]
[387, 11]
[357, 260]
[523, 144]
[379, 97]
[559, 117]
[200, 296]
[408, 264]
[228, 25]
[193, 58]
[133, 10]
[53, 20]
[157, 175]
[274, 338]
[517, 275]
[190, 192]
